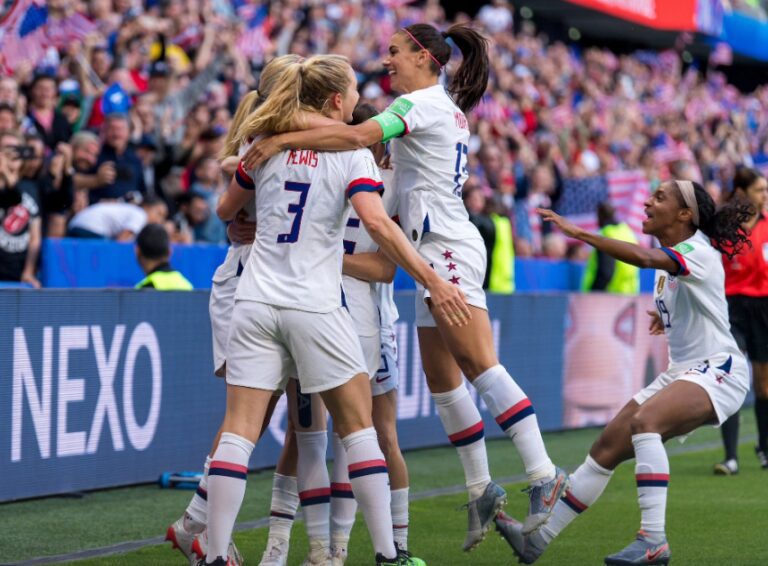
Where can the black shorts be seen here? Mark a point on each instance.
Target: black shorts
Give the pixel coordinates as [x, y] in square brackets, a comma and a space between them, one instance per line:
[749, 325]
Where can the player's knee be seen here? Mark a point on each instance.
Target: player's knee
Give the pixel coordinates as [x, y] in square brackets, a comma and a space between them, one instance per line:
[470, 365]
[387, 442]
[642, 422]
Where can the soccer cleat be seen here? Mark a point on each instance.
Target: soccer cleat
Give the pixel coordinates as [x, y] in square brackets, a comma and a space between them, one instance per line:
[403, 558]
[762, 457]
[727, 468]
[182, 539]
[200, 548]
[543, 499]
[528, 548]
[276, 553]
[338, 555]
[647, 549]
[319, 553]
[481, 512]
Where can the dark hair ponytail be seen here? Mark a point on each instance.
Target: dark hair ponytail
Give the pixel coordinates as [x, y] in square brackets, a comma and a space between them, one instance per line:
[724, 227]
[471, 79]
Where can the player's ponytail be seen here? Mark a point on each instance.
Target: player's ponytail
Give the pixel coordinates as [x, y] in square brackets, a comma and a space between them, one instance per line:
[471, 78]
[247, 105]
[724, 226]
[303, 86]
[252, 100]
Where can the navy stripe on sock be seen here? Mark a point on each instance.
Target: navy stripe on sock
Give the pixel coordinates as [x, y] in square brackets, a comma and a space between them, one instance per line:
[279, 515]
[652, 483]
[368, 471]
[516, 418]
[342, 493]
[202, 493]
[227, 473]
[316, 500]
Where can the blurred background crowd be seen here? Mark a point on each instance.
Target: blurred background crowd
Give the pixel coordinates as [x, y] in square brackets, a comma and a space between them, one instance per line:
[112, 113]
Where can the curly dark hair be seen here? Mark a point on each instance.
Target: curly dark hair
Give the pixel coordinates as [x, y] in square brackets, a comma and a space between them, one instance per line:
[723, 226]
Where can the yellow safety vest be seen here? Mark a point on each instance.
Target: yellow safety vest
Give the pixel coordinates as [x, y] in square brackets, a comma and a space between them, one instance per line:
[165, 281]
[626, 278]
[502, 278]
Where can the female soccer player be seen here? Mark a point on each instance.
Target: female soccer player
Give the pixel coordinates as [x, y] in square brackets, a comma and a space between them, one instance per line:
[429, 134]
[746, 289]
[187, 533]
[288, 314]
[706, 380]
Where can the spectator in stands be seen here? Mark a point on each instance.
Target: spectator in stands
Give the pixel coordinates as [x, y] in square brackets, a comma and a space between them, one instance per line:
[8, 119]
[119, 221]
[554, 246]
[153, 252]
[209, 184]
[603, 273]
[192, 213]
[124, 171]
[49, 123]
[20, 230]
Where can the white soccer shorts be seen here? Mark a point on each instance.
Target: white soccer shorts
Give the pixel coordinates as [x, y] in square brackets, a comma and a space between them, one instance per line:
[387, 377]
[725, 378]
[460, 262]
[268, 344]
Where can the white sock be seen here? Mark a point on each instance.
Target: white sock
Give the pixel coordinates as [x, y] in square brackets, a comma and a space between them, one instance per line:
[343, 504]
[196, 516]
[370, 483]
[514, 414]
[399, 508]
[226, 487]
[587, 483]
[285, 501]
[652, 475]
[464, 426]
[314, 484]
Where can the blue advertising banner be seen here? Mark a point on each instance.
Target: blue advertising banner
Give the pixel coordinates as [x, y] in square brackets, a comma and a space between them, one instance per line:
[100, 388]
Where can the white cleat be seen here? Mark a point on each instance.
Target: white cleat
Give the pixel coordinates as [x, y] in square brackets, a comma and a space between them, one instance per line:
[319, 553]
[182, 539]
[338, 555]
[276, 553]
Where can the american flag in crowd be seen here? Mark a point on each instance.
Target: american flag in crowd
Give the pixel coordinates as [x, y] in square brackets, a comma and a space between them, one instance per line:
[22, 33]
[627, 191]
[254, 42]
[27, 32]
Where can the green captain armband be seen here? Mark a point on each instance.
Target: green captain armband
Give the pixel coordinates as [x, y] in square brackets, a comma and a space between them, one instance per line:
[391, 124]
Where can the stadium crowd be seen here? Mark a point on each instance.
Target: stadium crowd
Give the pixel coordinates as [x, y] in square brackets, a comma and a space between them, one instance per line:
[126, 100]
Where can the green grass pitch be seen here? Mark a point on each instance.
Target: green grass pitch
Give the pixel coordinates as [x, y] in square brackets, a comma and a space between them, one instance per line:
[710, 520]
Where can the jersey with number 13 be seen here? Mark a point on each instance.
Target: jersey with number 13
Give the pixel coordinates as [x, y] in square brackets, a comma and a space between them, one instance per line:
[302, 206]
[430, 164]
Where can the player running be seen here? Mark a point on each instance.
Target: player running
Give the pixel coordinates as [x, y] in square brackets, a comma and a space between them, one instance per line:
[429, 136]
[707, 378]
[288, 314]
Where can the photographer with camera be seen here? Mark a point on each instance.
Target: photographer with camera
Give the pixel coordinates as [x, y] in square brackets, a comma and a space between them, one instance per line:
[20, 232]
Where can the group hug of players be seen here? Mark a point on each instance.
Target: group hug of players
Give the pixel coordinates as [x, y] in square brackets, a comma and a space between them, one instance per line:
[303, 304]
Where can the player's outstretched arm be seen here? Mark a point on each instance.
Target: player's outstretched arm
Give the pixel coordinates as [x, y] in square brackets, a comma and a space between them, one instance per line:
[447, 299]
[372, 266]
[622, 251]
[339, 137]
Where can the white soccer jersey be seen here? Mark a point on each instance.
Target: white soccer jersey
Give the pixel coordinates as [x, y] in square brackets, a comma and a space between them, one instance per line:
[692, 303]
[301, 212]
[361, 295]
[430, 164]
[237, 254]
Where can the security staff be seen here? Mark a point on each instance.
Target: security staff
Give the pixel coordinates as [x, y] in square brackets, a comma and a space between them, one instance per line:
[153, 251]
[603, 273]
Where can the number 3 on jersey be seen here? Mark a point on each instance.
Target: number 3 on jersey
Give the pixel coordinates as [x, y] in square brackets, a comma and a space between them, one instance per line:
[461, 170]
[296, 208]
